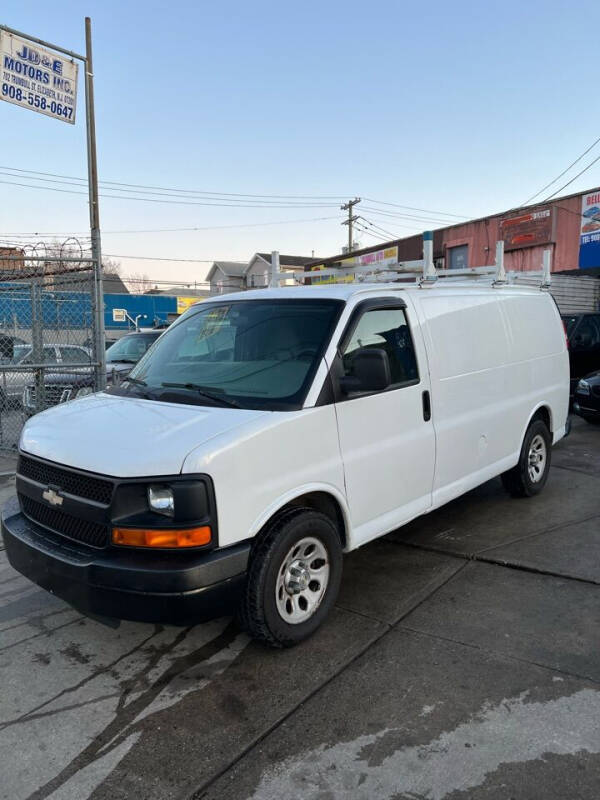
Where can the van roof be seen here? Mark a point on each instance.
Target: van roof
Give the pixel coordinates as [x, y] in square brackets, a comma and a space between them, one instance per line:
[344, 291]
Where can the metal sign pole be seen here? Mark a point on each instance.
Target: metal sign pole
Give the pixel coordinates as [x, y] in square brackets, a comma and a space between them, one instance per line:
[90, 116]
[98, 293]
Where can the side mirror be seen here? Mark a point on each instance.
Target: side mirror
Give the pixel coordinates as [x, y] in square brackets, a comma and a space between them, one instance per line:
[371, 368]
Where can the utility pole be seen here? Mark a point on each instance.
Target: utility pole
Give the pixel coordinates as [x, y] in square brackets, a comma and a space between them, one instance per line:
[99, 347]
[351, 219]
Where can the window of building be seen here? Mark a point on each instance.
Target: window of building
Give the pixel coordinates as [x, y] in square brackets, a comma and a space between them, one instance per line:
[458, 257]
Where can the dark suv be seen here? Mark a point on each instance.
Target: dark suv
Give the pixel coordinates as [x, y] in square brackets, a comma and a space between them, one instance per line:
[583, 333]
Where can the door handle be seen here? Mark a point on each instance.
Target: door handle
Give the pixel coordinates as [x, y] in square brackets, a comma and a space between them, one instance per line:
[426, 406]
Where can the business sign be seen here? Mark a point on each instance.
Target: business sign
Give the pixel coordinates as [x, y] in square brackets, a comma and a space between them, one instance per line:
[589, 235]
[119, 315]
[183, 303]
[527, 230]
[377, 258]
[37, 79]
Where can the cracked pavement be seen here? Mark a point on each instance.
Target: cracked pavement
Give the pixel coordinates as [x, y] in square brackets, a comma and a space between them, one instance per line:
[461, 660]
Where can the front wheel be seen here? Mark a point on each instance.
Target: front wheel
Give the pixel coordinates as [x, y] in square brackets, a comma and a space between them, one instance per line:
[530, 474]
[293, 578]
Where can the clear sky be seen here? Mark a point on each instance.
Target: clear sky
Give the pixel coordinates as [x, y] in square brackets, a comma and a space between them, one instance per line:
[462, 108]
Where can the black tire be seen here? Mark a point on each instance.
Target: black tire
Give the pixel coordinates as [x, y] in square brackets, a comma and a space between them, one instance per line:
[518, 481]
[258, 612]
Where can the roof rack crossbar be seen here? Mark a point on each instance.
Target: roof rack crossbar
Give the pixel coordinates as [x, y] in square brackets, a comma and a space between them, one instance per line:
[422, 271]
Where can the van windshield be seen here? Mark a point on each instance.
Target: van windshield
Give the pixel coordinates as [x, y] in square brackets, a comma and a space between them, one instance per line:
[247, 353]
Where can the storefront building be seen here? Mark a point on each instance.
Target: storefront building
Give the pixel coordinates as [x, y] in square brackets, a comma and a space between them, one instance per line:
[568, 226]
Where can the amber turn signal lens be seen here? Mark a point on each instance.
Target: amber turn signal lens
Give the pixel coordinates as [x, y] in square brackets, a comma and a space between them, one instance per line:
[141, 537]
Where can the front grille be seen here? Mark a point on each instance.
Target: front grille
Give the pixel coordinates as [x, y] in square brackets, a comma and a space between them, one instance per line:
[76, 483]
[596, 389]
[90, 533]
[53, 395]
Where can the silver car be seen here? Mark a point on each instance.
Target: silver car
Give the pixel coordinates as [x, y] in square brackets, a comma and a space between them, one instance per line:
[13, 382]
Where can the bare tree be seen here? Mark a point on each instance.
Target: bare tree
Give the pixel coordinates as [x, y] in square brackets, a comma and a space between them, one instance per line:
[137, 282]
[111, 267]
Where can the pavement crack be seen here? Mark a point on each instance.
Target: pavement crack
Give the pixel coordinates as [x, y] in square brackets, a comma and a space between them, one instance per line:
[32, 713]
[498, 562]
[123, 724]
[499, 654]
[534, 533]
[43, 632]
[200, 790]
[30, 717]
[573, 469]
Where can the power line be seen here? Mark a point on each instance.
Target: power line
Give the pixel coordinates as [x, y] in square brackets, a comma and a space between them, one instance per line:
[568, 183]
[412, 208]
[379, 228]
[558, 177]
[225, 202]
[219, 195]
[171, 202]
[156, 258]
[26, 234]
[396, 215]
[180, 191]
[377, 236]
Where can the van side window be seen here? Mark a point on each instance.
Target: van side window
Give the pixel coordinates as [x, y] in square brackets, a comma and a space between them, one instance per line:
[386, 329]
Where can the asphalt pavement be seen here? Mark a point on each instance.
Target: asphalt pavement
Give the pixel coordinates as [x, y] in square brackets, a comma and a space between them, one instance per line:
[462, 661]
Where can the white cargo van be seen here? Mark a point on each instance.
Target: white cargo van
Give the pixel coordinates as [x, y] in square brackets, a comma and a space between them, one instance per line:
[268, 432]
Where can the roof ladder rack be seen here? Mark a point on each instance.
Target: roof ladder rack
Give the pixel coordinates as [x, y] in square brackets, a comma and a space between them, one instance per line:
[421, 271]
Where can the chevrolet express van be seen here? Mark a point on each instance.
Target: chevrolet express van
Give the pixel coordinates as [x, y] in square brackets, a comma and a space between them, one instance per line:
[266, 433]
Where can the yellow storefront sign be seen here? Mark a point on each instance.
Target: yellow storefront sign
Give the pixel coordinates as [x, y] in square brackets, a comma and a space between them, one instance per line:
[183, 303]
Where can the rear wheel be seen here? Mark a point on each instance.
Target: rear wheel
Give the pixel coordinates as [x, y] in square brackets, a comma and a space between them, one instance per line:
[530, 474]
[293, 578]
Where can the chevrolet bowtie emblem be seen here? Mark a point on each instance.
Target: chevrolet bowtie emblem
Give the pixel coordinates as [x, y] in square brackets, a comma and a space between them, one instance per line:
[52, 497]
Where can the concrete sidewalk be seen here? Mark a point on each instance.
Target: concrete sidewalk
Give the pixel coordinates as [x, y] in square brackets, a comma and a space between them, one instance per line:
[461, 660]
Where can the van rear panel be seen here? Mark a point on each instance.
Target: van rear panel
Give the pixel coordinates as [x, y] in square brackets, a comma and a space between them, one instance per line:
[496, 355]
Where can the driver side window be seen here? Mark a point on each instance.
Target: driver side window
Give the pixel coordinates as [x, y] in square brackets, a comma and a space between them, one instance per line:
[386, 329]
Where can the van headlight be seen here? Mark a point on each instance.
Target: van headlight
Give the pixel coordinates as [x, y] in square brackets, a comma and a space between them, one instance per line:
[583, 387]
[84, 391]
[161, 500]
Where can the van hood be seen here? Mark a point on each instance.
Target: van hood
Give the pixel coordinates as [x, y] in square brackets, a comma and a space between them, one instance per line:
[127, 437]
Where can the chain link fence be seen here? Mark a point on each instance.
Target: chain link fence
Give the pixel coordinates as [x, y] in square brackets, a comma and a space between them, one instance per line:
[48, 343]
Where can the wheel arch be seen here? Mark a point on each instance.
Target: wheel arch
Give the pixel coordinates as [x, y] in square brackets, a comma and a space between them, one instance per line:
[541, 411]
[324, 498]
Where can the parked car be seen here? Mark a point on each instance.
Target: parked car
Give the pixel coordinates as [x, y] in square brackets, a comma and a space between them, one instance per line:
[269, 431]
[583, 334]
[61, 387]
[587, 398]
[7, 345]
[14, 383]
[7, 354]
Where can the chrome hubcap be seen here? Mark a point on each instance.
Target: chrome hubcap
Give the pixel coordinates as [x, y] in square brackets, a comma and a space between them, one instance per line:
[302, 580]
[537, 458]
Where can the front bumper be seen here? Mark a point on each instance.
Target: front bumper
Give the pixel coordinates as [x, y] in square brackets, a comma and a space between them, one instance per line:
[178, 588]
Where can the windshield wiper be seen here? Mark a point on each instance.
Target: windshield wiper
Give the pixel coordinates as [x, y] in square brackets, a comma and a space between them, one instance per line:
[122, 361]
[137, 381]
[195, 387]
